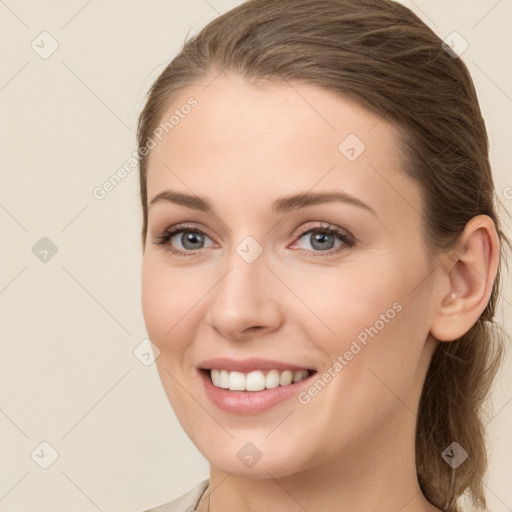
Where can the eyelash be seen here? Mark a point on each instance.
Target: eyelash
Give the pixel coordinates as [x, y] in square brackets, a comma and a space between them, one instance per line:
[347, 240]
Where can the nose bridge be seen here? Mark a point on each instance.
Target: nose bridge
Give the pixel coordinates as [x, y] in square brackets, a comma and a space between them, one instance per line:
[243, 297]
[242, 286]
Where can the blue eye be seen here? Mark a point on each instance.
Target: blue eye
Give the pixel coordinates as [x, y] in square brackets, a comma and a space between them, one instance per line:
[191, 239]
[318, 240]
[324, 239]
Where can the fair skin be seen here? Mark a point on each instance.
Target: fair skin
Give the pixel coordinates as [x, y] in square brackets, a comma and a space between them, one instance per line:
[244, 146]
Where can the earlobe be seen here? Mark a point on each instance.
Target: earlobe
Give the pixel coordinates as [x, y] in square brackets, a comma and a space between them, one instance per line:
[471, 278]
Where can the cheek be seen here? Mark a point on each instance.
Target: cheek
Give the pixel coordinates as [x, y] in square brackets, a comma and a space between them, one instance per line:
[167, 305]
[368, 315]
[343, 304]
[173, 305]
[165, 300]
[153, 308]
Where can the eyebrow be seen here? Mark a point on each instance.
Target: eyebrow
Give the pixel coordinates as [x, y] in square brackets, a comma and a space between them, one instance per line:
[280, 205]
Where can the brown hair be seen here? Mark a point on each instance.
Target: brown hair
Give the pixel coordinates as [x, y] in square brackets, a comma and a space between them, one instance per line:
[380, 54]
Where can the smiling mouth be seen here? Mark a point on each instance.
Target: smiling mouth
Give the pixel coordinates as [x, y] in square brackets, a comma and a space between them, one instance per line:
[257, 380]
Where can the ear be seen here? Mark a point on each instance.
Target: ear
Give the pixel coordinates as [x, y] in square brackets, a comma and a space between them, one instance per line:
[469, 278]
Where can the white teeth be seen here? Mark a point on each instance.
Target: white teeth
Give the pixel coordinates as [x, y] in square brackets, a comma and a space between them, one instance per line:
[272, 379]
[286, 378]
[215, 375]
[255, 380]
[236, 381]
[224, 379]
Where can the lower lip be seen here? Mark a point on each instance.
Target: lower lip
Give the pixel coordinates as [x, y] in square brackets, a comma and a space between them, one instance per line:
[250, 402]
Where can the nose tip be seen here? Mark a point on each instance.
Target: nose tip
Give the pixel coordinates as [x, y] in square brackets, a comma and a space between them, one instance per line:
[244, 302]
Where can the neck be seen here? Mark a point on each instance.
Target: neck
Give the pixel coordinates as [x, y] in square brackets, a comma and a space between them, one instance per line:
[364, 477]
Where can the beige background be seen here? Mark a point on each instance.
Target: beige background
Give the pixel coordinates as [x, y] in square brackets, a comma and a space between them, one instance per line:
[68, 374]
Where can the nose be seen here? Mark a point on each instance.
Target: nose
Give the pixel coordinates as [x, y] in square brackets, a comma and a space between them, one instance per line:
[244, 303]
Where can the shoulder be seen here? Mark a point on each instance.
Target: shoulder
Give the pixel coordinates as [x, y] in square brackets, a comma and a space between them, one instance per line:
[185, 503]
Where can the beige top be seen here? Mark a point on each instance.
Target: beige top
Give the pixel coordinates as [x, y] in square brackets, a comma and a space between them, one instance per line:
[187, 502]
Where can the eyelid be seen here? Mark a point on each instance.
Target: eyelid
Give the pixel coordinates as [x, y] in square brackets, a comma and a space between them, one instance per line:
[312, 225]
[347, 239]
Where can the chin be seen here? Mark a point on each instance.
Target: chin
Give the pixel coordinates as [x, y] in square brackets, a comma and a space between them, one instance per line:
[246, 459]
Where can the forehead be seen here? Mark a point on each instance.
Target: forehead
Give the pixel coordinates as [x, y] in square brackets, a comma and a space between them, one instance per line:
[275, 138]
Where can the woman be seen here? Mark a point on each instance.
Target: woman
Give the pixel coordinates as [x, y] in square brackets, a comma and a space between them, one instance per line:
[322, 259]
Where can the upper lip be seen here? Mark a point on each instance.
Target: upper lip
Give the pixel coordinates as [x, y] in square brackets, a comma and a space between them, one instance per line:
[247, 365]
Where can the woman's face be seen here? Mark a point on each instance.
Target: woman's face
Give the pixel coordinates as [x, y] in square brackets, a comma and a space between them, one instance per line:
[257, 276]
